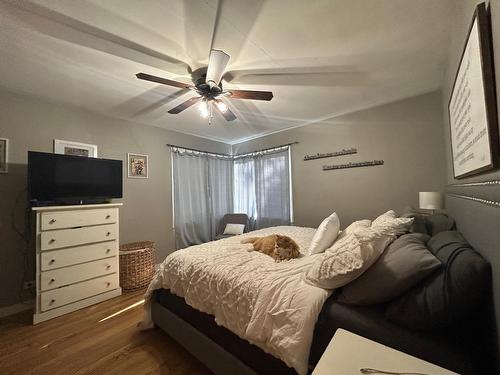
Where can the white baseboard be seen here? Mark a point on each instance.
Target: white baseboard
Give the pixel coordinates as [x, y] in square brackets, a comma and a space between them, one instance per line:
[14, 309]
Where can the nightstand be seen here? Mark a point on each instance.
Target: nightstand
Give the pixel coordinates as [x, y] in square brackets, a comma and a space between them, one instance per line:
[348, 353]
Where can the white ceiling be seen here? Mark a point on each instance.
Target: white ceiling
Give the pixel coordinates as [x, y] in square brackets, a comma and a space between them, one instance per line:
[332, 56]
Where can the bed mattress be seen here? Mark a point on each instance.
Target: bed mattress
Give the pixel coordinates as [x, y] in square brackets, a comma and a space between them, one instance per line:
[267, 303]
[251, 355]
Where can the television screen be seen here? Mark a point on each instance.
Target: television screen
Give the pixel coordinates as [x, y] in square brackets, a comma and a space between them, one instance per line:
[67, 178]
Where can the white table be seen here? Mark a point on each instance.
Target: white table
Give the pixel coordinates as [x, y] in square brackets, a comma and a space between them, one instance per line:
[347, 353]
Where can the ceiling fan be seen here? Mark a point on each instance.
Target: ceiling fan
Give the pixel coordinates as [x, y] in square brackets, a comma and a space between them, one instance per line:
[209, 89]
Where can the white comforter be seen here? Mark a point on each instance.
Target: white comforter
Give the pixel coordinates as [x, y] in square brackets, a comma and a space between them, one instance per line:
[264, 302]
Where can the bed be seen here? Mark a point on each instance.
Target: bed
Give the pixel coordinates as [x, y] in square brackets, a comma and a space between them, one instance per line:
[228, 346]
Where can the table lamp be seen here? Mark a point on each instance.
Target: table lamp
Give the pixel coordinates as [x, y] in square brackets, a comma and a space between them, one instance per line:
[430, 200]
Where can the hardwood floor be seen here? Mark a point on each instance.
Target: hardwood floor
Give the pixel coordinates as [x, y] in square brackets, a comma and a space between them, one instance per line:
[83, 343]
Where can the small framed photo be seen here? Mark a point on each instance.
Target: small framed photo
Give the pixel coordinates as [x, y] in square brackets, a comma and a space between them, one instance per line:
[74, 148]
[138, 165]
[4, 155]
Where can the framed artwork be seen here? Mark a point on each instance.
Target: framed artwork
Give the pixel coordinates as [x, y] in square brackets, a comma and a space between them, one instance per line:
[4, 155]
[472, 107]
[74, 148]
[138, 165]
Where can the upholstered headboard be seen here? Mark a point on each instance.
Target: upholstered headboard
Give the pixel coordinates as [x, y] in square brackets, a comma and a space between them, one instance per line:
[476, 209]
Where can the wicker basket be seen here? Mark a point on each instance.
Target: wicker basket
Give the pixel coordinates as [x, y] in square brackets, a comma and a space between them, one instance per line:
[137, 265]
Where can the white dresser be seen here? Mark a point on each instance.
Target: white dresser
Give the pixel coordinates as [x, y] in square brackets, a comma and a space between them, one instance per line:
[76, 257]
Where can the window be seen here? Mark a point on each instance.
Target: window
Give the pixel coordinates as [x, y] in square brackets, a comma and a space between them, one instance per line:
[262, 187]
[207, 186]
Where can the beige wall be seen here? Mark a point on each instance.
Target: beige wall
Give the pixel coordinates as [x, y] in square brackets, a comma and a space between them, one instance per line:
[462, 14]
[407, 135]
[33, 125]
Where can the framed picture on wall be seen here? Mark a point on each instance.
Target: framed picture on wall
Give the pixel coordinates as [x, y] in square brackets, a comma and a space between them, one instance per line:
[74, 148]
[138, 165]
[4, 155]
[472, 107]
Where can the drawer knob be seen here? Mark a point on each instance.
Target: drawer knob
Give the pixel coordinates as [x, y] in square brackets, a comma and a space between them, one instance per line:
[52, 221]
[108, 267]
[52, 301]
[109, 233]
[52, 240]
[51, 281]
[108, 216]
[108, 251]
[52, 261]
[108, 284]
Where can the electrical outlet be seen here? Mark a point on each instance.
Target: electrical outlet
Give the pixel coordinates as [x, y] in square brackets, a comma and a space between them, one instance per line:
[29, 284]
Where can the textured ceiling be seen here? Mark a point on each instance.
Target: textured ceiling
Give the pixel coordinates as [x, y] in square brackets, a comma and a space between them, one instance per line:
[321, 58]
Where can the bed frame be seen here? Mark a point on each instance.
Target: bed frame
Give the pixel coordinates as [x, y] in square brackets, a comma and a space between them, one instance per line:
[212, 355]
[476, 209]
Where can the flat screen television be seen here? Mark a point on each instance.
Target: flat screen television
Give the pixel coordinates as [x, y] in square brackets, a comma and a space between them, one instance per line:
[68, 179]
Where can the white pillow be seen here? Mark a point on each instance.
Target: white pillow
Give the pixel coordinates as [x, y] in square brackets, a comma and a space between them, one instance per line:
[325, 235]
[234, 229]
[348, 258]
[355, 226]
[390, 223]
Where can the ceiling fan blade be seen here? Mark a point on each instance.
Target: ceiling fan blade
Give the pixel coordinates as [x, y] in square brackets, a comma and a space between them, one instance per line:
[216, 66]
[164, 81]
[318, 76]
[188, 103]
[227, 114]
[248, 94]
[216, 24]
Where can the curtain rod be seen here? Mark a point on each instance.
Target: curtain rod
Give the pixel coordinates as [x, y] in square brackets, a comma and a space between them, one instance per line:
[267, 149]
[218, 153]
[195, 150]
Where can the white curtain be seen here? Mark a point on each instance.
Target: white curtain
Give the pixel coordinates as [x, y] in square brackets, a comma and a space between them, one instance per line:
[262, 187]
[220, 174]
[272, 189]
[202, 188]
[244, 188]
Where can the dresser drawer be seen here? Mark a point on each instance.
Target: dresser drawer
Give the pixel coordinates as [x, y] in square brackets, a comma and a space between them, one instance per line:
[72, 293]
[80, 254]
[77, 236]
[77, 218]
[73, 274]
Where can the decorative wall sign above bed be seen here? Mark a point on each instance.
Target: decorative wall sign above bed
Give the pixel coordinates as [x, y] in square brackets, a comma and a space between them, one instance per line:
[331, 154]
[472, 105]
[371, 163]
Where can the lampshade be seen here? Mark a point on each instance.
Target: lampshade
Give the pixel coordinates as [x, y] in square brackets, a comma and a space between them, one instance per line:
[430, 200]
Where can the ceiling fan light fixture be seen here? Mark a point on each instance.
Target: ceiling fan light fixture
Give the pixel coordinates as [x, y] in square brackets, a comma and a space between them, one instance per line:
[221, 105]
[203, 107]
[209, 89]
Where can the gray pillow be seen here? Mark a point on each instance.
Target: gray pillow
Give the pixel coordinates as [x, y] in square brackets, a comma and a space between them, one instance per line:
[403, 264]
[448, 295]
[429, 224]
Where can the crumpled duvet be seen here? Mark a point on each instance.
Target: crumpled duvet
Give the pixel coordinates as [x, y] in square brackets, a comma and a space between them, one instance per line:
[267, 303]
